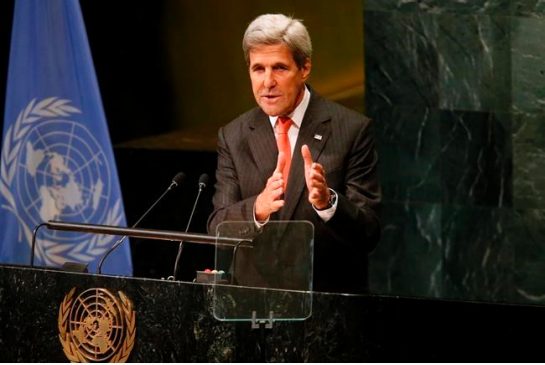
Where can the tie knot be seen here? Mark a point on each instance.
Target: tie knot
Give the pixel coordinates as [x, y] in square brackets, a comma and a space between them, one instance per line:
[283, 124]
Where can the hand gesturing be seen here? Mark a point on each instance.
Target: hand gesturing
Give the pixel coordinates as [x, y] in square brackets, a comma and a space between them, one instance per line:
[270, 200]
[318, 191]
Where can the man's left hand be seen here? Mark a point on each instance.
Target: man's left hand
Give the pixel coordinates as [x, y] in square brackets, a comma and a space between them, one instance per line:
[318, 191]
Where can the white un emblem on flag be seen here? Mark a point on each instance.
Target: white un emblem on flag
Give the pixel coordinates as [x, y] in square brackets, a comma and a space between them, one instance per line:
[53, 168]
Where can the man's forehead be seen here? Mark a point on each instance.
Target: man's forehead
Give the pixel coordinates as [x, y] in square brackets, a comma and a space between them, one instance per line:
[271, 53]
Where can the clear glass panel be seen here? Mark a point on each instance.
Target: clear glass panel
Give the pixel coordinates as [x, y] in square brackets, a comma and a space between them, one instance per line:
[267, 275]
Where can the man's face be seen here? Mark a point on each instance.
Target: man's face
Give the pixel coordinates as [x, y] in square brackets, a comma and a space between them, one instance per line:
[277, 82]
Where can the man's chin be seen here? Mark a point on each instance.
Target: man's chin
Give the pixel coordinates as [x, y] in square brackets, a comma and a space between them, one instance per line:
[272, 111]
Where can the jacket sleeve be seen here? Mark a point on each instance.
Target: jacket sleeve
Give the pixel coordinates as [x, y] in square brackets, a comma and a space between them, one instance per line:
[356, 220]
[228, 202]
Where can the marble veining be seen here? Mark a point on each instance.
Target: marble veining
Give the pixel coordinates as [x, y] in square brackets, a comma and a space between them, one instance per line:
[503, 7]
[457, 92]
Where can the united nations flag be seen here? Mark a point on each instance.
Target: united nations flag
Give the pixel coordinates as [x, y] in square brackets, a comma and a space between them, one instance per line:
[57, 161]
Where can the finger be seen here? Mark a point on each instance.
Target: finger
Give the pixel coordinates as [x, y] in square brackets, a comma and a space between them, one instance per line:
[277, 184]
[280, 163]
[316, 177]
[318, 168]
[314, 196]
[316, 185]
[274, 181]
[277, 193]
[307, 157]
[276, 205]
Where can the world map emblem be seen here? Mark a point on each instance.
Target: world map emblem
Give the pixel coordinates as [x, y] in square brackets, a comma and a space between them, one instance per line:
[53, 168]
[97, 326]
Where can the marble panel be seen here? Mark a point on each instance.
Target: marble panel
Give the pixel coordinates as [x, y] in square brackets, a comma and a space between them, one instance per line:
[400, 59]
[474, 62]
[527, 230]
[439, 6]
[478, 256]
[528, 8]
[408, 259]
[408, 144]
[528, 160]
[476, 158]
[528, 64]
[458, 92]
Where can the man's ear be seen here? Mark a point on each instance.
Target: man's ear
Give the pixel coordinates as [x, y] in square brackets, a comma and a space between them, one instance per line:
[306, 69]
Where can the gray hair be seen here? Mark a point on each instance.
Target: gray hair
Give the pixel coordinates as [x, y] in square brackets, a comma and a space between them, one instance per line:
[270, 29]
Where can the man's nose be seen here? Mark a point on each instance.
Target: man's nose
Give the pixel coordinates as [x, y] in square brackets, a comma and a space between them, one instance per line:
[269, 80]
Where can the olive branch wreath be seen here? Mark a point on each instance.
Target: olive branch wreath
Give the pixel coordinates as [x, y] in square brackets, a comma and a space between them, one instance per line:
[70, 349]
[50, 252]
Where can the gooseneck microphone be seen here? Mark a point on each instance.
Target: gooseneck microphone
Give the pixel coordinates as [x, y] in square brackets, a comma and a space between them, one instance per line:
[176, 181]
[203, 181]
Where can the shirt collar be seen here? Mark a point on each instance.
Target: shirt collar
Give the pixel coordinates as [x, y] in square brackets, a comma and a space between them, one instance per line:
[297, 115]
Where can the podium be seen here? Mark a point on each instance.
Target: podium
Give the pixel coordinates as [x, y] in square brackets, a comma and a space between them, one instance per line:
[174, 321]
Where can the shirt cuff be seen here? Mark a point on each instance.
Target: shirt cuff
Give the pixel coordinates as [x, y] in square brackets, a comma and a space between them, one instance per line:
[259, 224]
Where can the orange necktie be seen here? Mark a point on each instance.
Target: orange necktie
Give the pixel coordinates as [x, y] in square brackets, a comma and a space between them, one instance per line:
[283, 125]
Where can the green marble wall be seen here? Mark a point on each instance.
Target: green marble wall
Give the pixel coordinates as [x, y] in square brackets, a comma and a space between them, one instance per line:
[457, 90]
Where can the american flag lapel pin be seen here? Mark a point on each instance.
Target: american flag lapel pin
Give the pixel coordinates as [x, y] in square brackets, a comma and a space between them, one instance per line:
[318, 137]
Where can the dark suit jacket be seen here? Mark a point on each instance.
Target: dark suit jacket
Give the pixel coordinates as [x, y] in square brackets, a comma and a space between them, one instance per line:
[247, 155]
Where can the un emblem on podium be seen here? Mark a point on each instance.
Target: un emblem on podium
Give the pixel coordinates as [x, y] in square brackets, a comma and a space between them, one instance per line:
[96, 326]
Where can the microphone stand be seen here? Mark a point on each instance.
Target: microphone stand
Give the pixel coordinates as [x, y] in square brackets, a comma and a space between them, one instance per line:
[202, 185]
[33, 246]
[120, 241]
[175, 182]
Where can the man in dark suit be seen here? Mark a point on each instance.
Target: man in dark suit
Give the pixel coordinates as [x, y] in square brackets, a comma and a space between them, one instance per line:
[326, 174]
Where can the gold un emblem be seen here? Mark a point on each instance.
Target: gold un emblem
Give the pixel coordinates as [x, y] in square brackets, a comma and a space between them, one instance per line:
[96, 326]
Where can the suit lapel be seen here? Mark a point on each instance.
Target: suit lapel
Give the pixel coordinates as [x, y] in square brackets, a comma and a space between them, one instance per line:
[261, 143]
[315, 131]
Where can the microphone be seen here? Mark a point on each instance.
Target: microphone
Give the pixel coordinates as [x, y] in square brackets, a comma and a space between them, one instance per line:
[203, 181]
[176, 181]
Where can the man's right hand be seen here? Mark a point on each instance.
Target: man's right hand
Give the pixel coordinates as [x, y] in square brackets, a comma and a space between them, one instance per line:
[270, 199]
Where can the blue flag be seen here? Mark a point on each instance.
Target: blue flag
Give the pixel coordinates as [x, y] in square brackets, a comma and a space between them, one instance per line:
[57, 160]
